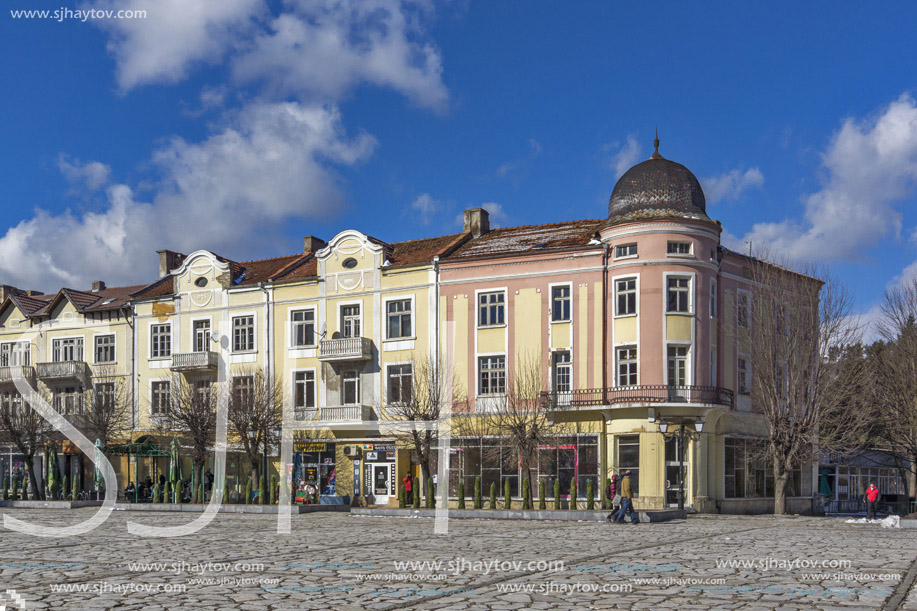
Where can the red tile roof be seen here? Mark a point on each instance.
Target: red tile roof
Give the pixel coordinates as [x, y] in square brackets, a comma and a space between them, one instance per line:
[529, 238]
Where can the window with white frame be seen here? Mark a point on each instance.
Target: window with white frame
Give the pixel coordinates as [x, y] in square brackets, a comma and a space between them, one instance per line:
[104, 397]
[626, 296]
[160, 395]
[678, 294]
[203, 393]
[304, 389]
[201, 335]
[744, 376]
[350, 320]
[302, 328]
[677, 370]
[10, 402]
[400, 384]
[627, 366]
[67, 349]
[714, 303]
[160, 341]
[490, 308]
[492, 375]
[350, 388]
[679, 248]
[398, 315]
[68, 400]
[742, 309]
[563, 371]
[105, 348]
[243, 333]
[14, 354]
[243, 391]
[625, 250]
[560, 303]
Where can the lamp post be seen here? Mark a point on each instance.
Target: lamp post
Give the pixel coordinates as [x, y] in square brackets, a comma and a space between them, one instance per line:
[681, 433]
[274, 434]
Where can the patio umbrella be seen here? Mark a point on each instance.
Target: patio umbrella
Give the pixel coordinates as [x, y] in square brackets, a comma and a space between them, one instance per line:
[54, 475]
[97, 476]
[174, 467]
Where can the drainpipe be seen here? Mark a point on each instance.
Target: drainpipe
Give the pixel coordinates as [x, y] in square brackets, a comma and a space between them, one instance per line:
[605, 324]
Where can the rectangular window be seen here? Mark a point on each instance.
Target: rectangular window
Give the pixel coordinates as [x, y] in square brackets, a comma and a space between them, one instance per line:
[744, 388]
[679, 248]
[161, 392]
[243, 391]
[400, 384]
[104, 398]
[14, 354]
[742, 310]
[350, 388]
[627, 366]
[560, 303]
[160, 341]
[677, 366]
[105, 348]
[304, 389]
[626, 291]
[243, 333]
[713, 300]
[399, 318]
[563, 372]
[490, 309]
[200, 335]
[747, 472]
[780, 378]
[350, 320]
[203, 393]
[629, 458]
[492, 375]
[678, 293]
[68, 400]
[70, 349]
[302, 327]
[625, 250]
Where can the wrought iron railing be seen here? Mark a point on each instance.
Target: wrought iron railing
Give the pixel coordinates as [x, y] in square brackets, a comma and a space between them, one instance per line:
[345, 348]
[189, 361]
[592, 397]
[63, 369]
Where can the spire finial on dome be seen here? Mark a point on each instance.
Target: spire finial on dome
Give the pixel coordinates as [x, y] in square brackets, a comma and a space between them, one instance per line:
[656, 154]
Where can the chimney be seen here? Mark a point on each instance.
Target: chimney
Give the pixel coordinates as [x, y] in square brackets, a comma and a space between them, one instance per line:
[169, 260]
[310, 243]
[477, 221]
[98, 285]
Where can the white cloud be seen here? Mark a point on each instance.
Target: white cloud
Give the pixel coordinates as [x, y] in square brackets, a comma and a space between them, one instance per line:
[91, 175]
[627, 156]
[497, 215]
[174, 36]
[869, 167]
[324, 50]
[425, 207]
[514, 168]
[269, 164]
[729, 186]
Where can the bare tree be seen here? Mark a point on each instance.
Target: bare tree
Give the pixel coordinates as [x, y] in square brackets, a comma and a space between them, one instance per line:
[424, 397]
[24, 427]
[192, 411]
[894, 374]
[799, 327]
[255, 407]
[108, 415]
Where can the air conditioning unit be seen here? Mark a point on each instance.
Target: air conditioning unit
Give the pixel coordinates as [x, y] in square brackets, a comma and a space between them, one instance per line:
[351, 451]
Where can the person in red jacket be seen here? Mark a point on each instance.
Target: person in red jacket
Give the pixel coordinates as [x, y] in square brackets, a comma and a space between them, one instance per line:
[408, 489]
[871, 498]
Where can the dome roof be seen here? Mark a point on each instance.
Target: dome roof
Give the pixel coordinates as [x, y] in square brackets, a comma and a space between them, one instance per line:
[657, 188]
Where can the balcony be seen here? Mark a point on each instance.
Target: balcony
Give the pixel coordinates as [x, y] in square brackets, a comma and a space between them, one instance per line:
[63, 370]
[620, 395]
[335, 414]
[11, 374]
[195, 361]
[345, 349]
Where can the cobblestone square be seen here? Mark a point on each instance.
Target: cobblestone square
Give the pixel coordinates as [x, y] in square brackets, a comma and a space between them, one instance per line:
[339, 561]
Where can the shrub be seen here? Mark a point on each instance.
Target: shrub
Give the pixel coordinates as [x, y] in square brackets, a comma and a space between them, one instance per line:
[262, 490]
[75, 492]
[590, 495]
[155, 493]
[401, 496]
[493, 495]
[248, 491]
[63, 487]
[461, 503]
[541, 501]
[507, 499]
[431, 502]
[606, 502]
[526, 496]
[557, 493]
[573, 494]
[416, 489]
[6, 488]
[273, 494]
[25, 488]
[477, 493]
[15, 487]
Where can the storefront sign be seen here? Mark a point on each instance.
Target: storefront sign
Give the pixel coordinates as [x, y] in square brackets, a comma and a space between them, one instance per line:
[304, 446]
[356, 477]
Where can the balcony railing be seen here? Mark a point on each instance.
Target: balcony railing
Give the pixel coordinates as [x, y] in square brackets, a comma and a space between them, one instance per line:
[11, 374]
[195, 361]
[345, 349]
[335, 413]
[63, 370]
[594, 397]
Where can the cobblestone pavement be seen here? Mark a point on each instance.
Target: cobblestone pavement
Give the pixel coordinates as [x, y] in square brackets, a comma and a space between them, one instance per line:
[338, 561]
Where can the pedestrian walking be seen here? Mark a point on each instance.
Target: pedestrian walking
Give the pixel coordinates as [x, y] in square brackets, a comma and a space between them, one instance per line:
[408, 489]
[611, 493]
[627, 495]
[871, 498]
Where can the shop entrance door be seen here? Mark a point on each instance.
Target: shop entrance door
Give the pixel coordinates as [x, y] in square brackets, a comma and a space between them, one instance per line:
[382, 482]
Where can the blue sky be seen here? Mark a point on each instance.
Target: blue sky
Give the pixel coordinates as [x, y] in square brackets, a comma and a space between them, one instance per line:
[243, 124]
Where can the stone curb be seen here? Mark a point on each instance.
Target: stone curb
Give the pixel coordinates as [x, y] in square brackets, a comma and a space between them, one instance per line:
[519, 514]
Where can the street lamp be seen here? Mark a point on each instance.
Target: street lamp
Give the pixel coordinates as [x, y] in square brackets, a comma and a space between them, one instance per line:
[681, 433]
